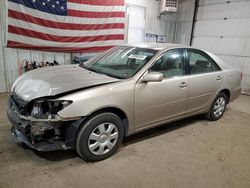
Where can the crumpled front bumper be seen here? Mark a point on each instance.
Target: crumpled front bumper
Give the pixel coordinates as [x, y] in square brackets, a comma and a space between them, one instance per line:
[21, 130]
[41, 146]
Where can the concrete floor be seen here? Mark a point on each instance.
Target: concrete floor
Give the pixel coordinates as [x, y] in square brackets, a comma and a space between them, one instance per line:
[190, 153]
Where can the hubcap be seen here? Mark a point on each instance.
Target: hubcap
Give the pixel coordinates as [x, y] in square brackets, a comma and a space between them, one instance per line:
[219, 106]
[103, 138]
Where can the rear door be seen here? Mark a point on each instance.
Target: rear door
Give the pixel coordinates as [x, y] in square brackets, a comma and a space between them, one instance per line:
[205, 79]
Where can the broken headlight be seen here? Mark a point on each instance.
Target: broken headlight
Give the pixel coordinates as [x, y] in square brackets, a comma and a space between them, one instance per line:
[47, 109]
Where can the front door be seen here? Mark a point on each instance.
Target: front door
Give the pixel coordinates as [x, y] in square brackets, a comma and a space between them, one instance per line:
[157, 102]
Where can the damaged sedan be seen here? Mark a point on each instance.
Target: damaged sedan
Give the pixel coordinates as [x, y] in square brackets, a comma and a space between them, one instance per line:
[91, 107]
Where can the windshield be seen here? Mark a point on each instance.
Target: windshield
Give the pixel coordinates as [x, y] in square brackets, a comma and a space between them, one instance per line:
[122, 63]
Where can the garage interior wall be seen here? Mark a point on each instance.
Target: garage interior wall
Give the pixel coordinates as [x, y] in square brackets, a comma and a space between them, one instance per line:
[223, 27]
[152, 22]
[11, 57]
[176, 26]
[3, 87]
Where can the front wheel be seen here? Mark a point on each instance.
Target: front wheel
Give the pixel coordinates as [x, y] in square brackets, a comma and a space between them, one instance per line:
[218, 107]
[100, 137]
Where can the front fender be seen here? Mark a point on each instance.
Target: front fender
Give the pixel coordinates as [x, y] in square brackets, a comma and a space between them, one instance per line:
[119, 95]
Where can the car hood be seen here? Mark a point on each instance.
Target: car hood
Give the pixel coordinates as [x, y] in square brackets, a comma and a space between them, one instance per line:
[51, 81]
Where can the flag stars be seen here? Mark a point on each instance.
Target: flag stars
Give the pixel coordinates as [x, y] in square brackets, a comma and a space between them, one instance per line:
[58, 7]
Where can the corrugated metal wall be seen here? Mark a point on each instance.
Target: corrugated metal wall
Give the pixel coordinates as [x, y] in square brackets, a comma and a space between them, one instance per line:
[14, 57]
[9, 57]
[178, 26]
[223, 27]
[2, 68]
[2, 38]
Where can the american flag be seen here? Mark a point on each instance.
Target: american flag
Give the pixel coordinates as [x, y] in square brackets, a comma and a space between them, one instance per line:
[66, 25]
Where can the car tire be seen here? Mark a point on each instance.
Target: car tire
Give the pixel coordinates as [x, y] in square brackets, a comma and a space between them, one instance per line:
[99, 137]
[218, 107]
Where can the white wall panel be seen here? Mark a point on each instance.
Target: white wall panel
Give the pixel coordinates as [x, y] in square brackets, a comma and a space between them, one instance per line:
[183, 33]
[24, 54]
[37, 56]
[2, 65]
[67, 58]
[246, 84]
[152, 7]
[228, 46]
[2, 38]
[239, 9]
[212, 2]
[59, 57]
[49, 57]
[169, 30]
[223, 27]
[179, 25]
[238, 62]
[11, 66]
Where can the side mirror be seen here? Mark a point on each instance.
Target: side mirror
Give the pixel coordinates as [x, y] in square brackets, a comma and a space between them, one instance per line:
[153, 77]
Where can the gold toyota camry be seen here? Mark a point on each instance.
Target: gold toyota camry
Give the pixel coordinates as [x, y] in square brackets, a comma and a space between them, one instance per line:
[91, 107]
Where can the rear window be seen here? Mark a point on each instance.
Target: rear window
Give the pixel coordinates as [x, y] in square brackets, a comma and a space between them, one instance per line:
[200, 62]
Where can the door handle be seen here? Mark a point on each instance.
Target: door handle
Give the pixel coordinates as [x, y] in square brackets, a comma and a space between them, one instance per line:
[183, 84]
[219, 78]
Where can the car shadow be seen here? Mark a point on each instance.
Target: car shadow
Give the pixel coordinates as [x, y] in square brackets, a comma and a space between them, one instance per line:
[159, 130]
[138, 137]
[58, 155]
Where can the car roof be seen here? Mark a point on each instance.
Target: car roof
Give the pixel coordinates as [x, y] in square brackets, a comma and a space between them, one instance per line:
[158, 46]
[165, 46]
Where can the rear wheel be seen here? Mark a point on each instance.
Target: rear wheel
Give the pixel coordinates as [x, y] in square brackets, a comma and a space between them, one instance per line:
[100, 137]
[218, 107]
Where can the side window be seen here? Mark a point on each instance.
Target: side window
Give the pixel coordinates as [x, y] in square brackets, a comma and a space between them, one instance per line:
[170, 64]
[201, 63]
[215, 67]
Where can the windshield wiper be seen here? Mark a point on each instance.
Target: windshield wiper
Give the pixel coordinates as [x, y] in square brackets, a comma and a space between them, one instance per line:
[81, 65]
[114, 76]
[103, 73]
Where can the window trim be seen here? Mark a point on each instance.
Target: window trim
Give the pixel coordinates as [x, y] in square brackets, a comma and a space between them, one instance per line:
[211, 60]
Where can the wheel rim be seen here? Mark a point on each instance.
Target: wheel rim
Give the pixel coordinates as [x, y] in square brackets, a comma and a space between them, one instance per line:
[219, 106]
[102, 139]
